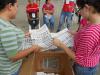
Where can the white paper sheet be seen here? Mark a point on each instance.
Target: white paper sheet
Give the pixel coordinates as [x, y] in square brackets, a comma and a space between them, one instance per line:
[65, 37]
[43, 38]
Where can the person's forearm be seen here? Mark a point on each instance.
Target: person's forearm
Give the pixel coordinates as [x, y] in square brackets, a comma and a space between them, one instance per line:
[69, 52]
[48, 11]
[51, 11]
[22, 54]
[29, 18]
[37, 14]
[44, 11]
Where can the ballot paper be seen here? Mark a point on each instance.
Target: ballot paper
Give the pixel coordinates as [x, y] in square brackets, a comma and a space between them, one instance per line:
[27, 43]
[43, 38]
[43, 73]
[65, 37]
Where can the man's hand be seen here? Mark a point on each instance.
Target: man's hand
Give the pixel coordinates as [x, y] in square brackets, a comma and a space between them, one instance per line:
[27, 34]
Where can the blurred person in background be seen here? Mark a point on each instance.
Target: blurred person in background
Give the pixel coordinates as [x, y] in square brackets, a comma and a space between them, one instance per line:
[66, 14]
[48, 14]
[32, 10]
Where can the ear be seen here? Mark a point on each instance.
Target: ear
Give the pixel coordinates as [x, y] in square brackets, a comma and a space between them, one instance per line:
[9, 6]
[89, 8]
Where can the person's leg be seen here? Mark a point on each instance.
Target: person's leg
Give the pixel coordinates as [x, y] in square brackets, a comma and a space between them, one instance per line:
[52, 23]
[61, 21]
[46, 20]
[69, 19]
[79, 70]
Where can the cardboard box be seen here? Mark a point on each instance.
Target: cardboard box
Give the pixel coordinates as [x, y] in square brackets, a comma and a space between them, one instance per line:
[49, 62]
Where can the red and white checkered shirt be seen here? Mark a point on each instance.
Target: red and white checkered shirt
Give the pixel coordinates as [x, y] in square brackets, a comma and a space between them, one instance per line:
[87, 46]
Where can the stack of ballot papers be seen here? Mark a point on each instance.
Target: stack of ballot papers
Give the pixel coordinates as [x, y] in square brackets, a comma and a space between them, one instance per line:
[43, 38]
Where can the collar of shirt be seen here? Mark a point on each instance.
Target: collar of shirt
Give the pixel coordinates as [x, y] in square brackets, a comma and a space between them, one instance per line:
[5, 22]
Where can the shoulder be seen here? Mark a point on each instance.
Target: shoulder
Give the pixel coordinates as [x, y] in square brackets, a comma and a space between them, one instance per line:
[52, 5]
[93, 30]
[35, 4]
[6, 30]
[94, 27]
[28, 5]
[44, 4]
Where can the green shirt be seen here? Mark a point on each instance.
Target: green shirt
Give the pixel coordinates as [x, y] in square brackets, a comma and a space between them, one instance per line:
[10, 43]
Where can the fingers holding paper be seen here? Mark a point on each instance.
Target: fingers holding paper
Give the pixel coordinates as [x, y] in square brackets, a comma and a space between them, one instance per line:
[58, 43]
[27, 34]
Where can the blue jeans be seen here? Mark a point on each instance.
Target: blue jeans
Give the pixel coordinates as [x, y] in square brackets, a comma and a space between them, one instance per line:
[63, 16]
[17, 73]
[49, 22]
[79, 70]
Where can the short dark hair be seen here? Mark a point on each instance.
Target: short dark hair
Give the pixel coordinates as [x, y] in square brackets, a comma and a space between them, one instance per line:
[3, 3]
[94, 3]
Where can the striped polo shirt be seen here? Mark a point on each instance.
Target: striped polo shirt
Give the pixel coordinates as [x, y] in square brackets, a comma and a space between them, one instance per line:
[87, 46]
[10, 43]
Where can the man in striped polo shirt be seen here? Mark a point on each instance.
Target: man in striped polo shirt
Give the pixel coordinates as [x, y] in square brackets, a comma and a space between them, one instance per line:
[11, 39]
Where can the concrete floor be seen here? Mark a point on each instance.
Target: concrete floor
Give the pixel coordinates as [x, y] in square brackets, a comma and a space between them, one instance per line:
[21, 19]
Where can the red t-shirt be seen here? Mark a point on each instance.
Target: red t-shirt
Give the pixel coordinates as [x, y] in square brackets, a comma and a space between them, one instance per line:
[32, 8]
[68, 7]
[48, 6]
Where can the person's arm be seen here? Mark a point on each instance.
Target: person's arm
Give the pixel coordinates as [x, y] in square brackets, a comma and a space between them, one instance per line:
[44, 11]
[71, 32]
[60, 44]
[24, 53]
[29, 18]
[10, 43]
[27, 34]
[51, 11]
[38, 14]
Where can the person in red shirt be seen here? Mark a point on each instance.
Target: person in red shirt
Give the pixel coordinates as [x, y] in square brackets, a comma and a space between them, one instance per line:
[48, 17]
[32, 10]
[66, 14]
